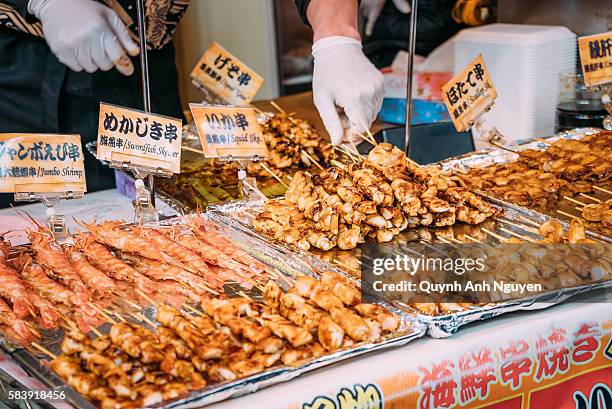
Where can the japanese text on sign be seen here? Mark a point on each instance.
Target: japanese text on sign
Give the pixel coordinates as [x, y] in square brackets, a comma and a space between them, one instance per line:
[226, 76]
[38, 163]
[469, 94]
[229, 132]
[596, 58]
[149, 140]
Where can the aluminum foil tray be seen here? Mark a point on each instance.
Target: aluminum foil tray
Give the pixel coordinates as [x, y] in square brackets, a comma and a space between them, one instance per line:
[410, 329]
[463, 163]
[239, 216]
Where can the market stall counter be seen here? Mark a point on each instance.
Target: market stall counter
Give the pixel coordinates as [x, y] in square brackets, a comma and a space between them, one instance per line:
[556, 355]
[559, 357]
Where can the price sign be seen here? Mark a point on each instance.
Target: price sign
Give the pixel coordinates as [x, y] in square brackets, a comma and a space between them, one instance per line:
[140, 138]
[469, 94]
[596, 58]
[229, 131]
[226, 76]
[41, 163]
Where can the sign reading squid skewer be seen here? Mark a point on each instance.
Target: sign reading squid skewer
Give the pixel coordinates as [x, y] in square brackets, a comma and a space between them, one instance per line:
[231, 134]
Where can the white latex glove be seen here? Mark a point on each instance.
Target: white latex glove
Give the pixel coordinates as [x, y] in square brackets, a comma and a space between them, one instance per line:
[344, 77]
[371, 10]
[85, 35]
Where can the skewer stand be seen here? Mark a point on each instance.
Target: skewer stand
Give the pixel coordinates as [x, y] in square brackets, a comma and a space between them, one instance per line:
[144, 206]
[491, 136]
[144, 74]
[246, 184]
[55, 221]
[410, 70]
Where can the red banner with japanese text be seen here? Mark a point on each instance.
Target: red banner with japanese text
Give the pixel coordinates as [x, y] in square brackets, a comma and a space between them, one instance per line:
[557, 368]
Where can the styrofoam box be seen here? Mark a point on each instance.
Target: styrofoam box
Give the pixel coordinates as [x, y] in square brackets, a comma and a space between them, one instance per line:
[525, 63]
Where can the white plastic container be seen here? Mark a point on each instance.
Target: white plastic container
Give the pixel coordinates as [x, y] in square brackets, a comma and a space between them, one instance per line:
[524, 62]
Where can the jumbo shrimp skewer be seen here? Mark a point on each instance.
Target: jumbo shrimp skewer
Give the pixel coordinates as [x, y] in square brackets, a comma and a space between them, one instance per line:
[174, 249]
[111, 234]
[18, 328]
[99, 285]
[51, 256]
[110, 265]
[160, 271]
[11, 287]
[36, 277]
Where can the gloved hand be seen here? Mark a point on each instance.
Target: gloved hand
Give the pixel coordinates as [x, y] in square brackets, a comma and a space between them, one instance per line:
[344, 77]
[85, 35]
[371, 10]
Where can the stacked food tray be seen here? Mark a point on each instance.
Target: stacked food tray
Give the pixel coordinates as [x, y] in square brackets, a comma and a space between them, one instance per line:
[572, 169]
[242, 316]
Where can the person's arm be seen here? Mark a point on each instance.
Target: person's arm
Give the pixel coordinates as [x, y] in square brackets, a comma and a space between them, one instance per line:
[333, 18]
[21, 7]
[343, 77]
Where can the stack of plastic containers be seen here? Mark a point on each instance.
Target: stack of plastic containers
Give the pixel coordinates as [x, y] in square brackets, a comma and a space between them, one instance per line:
[525, 63]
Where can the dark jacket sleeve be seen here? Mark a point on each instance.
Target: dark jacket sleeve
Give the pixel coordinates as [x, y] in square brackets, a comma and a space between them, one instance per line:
[302, 6]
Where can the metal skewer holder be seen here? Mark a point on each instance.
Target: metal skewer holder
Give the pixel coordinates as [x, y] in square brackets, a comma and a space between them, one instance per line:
[246, 184]
[55, 221]
[144, 205]
[492, 136]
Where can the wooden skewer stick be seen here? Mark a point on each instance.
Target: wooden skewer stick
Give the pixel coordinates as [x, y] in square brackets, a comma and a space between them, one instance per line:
[133, 305]
[146, 297]
[32, 328]
[456, 240]
[278, 108]
[116, 314]
[245, 295]
[373, 140]
[192, 309]
[472, 239]
[362, 136]
[497, 236]
[523, 218]
[140, 317]
[520, 236]
[596, 200]
[43, 350]
[259, 111]
[274, 175]
[355, 152]
[102, 313]
[310, 158]
[520, 226]
[601, 189]
[344, 152]
[341, 264]
[578, 202]
[571, 216]
[190, 149]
